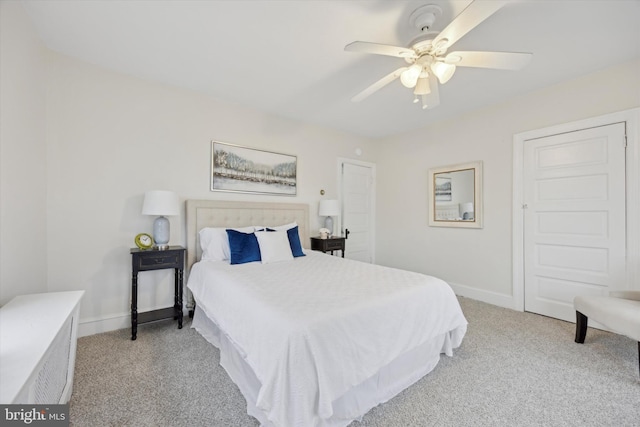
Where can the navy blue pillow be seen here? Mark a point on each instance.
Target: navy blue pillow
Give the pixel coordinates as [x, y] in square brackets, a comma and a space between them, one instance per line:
[243, 247]
[294, 241]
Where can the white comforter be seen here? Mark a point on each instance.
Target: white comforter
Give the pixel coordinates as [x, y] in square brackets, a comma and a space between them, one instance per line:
[315, 327]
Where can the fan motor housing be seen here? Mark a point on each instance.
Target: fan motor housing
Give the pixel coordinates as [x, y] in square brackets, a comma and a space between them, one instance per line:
[423, 17]
[424, 42]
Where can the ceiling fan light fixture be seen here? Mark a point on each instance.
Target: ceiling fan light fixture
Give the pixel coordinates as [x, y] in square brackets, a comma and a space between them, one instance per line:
[409, 77]
[422, 86]
[443, 71]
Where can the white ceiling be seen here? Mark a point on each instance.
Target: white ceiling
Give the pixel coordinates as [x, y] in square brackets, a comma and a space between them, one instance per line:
[287, 57]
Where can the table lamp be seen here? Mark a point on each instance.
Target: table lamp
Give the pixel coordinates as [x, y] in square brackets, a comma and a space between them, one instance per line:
[466, 209]
[160, 203]
[329, 208]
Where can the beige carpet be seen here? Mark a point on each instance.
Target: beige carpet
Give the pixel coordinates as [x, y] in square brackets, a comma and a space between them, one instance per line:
[513, 369]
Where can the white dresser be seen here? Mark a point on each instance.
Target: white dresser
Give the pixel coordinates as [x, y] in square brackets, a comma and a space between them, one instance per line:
[38, 335]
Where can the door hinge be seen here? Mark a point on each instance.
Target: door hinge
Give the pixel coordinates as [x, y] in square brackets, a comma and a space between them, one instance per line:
[525, 206]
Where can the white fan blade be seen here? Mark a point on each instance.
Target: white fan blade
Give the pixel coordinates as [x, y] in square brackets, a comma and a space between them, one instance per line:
[468, 19]
[378, 85]
[380, 49]
[499, 60]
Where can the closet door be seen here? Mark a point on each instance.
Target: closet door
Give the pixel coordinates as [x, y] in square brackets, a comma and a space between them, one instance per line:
[574, 217]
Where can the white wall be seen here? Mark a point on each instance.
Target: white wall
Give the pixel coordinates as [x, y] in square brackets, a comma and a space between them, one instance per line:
[478, 262]
[72, 175]
[112, 137]
[23, 255]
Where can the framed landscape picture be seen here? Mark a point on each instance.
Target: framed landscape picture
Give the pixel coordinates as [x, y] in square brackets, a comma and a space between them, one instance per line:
[443, 189]
[249, 170]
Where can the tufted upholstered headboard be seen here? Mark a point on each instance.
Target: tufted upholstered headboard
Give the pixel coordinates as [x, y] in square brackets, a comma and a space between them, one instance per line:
[215, 213]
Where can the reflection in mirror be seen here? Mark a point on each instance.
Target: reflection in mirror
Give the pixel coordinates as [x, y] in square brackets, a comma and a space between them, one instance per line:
[455, 198]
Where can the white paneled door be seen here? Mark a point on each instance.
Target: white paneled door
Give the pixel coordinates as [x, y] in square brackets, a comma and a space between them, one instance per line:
[574, 217]
[357, 210]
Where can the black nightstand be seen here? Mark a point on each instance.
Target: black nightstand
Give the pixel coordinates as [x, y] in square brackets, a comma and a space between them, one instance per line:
[150, 259]
[330, 244]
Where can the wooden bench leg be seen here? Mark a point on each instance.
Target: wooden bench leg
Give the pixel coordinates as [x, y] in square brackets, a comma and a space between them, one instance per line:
[581, 327]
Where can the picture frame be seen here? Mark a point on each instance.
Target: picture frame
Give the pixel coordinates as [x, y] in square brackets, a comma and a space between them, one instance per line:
[442, 189]
[239, 169]
[455, 196]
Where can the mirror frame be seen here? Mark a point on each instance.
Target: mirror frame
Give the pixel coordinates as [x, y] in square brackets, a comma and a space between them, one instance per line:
[477, 196]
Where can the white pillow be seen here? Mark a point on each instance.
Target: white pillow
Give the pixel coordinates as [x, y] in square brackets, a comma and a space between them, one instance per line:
[284, 227]
[274, 246]
[215, 243]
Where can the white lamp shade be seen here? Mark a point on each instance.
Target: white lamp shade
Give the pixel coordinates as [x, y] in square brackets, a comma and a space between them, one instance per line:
[160, 203]
[409, 77]
[466, 207]
[422, 87]
[329, 207]
[443, 71]
[466, 210]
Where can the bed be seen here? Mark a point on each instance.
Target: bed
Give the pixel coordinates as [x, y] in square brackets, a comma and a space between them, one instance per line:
[313, 340]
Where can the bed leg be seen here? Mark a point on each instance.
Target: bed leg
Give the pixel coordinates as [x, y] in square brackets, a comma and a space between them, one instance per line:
[581, 327]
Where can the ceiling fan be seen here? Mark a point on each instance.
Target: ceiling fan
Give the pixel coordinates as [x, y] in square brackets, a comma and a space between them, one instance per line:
[427, 53]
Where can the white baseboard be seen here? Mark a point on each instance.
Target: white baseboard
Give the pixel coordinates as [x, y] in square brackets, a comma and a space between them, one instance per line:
[97, 326]
[106, 324]
[495, 298]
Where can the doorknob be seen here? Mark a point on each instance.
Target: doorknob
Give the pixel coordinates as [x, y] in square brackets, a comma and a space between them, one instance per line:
[346, 233]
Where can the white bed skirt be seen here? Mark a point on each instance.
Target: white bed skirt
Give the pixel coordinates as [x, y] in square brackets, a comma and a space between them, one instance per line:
[388, 382]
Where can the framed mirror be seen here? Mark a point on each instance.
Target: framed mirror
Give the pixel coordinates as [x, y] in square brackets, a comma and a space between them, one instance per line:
[455, 195]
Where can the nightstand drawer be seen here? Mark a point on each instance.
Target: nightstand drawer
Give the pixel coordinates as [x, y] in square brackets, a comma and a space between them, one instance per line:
[159, 261]
[328, 245]
[333, 244]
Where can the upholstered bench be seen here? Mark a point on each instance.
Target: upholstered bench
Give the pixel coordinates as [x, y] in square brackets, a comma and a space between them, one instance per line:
[620, 312]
